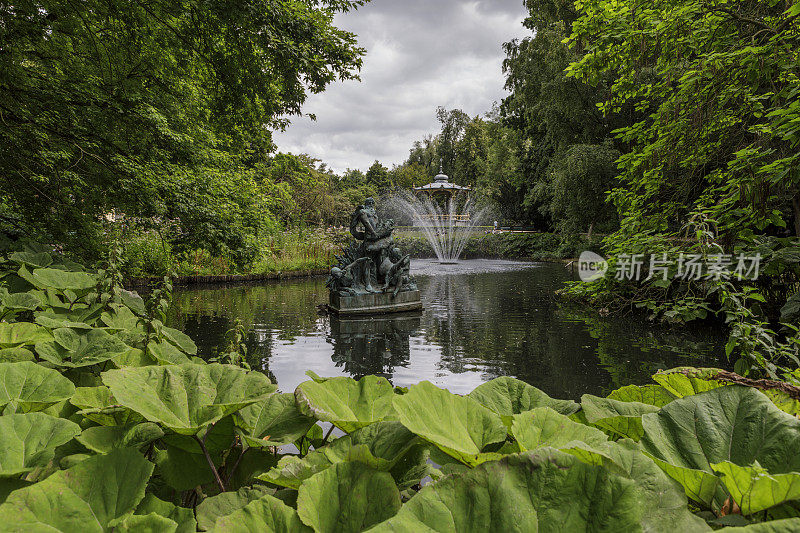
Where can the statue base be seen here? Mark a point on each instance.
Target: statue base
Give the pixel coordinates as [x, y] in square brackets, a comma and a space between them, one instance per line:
[375, 304]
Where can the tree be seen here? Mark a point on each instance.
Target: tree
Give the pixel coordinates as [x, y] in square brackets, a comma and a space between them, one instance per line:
[453, 123]
[717, 83]
[378, 176]
[129, 105]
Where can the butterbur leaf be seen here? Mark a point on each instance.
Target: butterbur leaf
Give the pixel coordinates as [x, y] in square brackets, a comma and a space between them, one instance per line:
[149, 523]
[98, 405]
[647, 394]
[103, 439]
[508, 396]
[274, 421]
[18, 334]
[663, 499]
[74, 347]
[187, 397]
[381, 446]
[348, 497]
[27, 386]
[754, 489]
[215, 507]
[544, 427]
[732, 423]
[183, 518]
[183, 470]
[687, 381]
[264, 514]
[131, 300]
[544, 490]
[459, 425]
[345, 402]
[621, 418]
[32, 259]
[68, 500]
[29, 440]
[20, 301]
[15, 355]
[166, 353]
[62, 279]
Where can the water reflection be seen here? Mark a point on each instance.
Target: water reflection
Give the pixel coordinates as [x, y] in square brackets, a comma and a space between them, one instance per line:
[377, 345]
[481, 319]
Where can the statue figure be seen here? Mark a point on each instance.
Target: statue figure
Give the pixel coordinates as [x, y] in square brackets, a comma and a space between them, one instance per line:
[396, 271]
[352, 279]
[371, 261]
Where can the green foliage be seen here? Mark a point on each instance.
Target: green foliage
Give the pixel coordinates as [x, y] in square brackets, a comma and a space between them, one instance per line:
[132, 441]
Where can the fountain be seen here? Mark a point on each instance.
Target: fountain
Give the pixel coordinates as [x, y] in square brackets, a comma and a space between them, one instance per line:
[446, 215]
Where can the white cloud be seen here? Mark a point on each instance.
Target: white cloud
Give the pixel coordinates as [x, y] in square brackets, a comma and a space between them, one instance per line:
[420, 54]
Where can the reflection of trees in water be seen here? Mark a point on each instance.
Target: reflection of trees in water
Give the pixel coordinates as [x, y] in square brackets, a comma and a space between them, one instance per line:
[372, 345]
[271, 313]
[505, 323]
[631, 352]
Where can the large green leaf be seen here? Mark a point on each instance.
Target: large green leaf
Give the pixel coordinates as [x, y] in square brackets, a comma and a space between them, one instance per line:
[544, 427]
[648, 394]
[34, 259]
[22, 333]
[15, 355]
[687, 381]
[621, 417]
[508, 396]
[754, 489]
[266, 514]
[732, 423]
[75, 347]
[29, 440]
[215, 507]
[345, 402]
[20, 301]
[787, 525]
[663, 499]
[149, 523]
[188, 397]
[348, 497]
[544, 490]
[98, 405]
[103, 439]
[459, 425]
[381, 446]
[274, 421]
[86, 497]
[184, 518]
[27, 386]
[62, 279]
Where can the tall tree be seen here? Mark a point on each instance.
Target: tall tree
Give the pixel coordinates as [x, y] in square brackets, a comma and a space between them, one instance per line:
[127, 104]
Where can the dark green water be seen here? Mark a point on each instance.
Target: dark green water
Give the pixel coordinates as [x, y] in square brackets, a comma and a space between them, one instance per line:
[482, 319]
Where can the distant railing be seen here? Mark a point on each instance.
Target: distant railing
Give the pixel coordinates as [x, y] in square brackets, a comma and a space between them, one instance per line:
[455, 218]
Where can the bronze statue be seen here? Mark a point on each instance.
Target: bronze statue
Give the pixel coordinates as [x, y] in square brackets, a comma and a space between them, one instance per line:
[372, 260]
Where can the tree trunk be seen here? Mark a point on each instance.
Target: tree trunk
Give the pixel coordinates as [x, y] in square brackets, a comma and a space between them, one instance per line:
[796, 210]
[591, 227]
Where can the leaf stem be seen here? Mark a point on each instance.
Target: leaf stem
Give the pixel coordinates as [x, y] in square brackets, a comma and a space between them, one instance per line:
[328, 434]
[210, 463]
[233, 468]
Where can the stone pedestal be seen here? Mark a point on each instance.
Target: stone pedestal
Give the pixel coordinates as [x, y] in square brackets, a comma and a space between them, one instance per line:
[375, 304]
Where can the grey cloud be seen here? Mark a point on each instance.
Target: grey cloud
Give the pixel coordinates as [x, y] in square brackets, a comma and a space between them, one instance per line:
[420, 55]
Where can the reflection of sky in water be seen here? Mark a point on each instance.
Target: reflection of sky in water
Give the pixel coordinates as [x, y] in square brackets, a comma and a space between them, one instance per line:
[481, 319]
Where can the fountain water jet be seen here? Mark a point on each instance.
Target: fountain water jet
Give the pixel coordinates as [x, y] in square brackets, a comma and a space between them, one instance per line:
[447, 224]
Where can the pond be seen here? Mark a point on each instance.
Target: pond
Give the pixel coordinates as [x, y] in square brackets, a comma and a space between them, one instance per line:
[481, 319]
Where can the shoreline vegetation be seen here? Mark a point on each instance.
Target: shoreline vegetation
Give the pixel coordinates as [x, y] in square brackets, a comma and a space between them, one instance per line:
[312, 254]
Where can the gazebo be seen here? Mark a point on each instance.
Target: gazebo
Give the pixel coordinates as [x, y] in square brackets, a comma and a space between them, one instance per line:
[441, 190]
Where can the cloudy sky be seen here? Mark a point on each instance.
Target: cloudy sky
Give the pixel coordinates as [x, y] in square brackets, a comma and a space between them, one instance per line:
[420, 54]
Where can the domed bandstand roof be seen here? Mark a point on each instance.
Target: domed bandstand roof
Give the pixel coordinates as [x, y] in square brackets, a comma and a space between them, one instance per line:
[441, 183]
